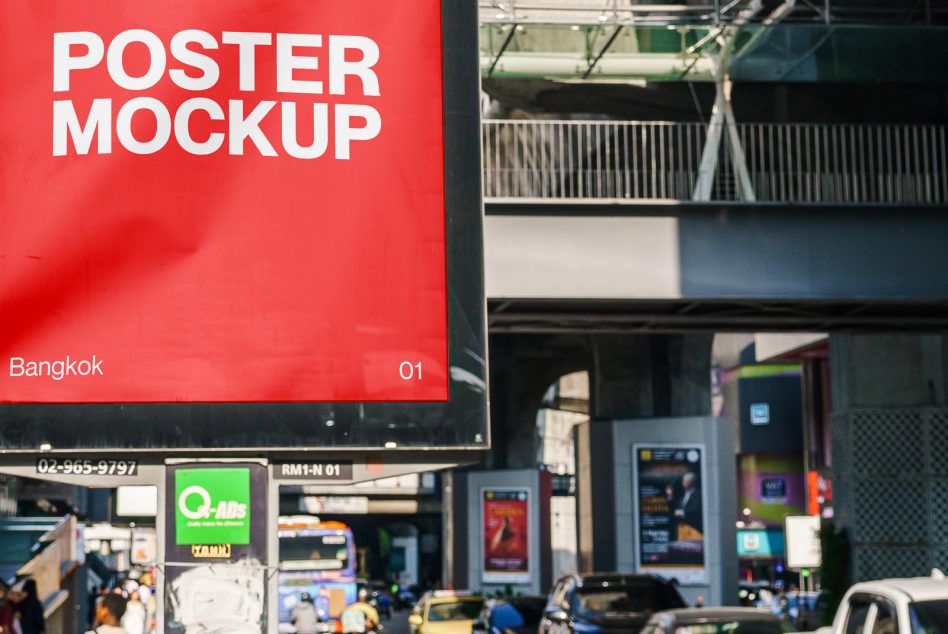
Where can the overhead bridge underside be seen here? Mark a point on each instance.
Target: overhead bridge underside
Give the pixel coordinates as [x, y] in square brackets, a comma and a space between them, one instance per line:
[721, 266]
[631, 316]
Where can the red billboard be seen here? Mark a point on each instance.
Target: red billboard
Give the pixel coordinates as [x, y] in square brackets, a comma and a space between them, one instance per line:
[222, 201]
[506, 535]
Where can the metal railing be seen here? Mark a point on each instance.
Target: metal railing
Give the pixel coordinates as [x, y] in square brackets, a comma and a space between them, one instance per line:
[638, 160]
[638, 12]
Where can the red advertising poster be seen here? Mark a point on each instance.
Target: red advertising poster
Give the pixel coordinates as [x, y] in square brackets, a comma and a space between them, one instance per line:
[222, 201]
[506, 535]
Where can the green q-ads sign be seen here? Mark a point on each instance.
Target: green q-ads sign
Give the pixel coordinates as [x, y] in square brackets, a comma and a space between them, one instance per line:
[212, 506]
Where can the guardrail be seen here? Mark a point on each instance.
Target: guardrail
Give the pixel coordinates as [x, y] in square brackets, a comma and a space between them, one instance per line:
[644, 160]
[638, 12]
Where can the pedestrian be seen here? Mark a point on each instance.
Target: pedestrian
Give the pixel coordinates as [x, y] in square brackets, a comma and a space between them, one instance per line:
[7, 609]
[30, 609]
[135, 614]
[93, 602]
[305, 617]
[385, 605]
[146, 596]
[108, 616]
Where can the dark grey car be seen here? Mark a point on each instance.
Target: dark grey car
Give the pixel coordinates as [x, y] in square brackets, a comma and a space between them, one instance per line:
[513, 615]
[716, 621]
[611, 603]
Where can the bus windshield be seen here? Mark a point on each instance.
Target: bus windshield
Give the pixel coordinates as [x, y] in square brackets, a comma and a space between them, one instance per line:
[322, 552]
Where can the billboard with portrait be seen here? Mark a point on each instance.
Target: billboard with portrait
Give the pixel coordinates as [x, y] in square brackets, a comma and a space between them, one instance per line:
[506, 535]
[670, 511]
[245, 224]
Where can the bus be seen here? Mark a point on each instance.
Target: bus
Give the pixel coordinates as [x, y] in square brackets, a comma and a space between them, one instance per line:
[316, 558]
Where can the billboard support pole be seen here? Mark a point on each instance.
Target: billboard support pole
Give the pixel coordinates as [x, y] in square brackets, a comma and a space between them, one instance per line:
[273, 551]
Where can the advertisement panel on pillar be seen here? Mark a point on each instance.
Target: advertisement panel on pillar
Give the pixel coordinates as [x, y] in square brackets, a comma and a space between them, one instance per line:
[506, 536]
[215, 547]
[670, 511]
[245, 224]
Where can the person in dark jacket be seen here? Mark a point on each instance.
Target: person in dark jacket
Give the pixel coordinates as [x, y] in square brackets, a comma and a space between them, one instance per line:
[32, 620]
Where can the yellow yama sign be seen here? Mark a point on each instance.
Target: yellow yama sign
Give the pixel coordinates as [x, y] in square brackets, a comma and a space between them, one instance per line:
[210, 551]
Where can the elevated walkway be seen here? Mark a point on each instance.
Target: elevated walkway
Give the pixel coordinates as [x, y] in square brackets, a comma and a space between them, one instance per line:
[593, 226]
[625, 161]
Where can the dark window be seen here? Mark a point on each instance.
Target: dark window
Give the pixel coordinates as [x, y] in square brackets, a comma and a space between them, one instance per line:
[885, 622]
[929, 617]
[858, 613]
[517, 613]
[455, 611]
[324, 552]
[648, 595]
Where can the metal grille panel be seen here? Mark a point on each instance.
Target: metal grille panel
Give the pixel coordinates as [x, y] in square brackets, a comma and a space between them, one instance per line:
[878, 563]
[941, 559]
[888, 442]
[891, 511]
[938, 425]
[940, 511]
[890, 469]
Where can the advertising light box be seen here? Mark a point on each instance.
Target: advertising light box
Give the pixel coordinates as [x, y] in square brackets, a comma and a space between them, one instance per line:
[670, 511]
[506, 537]
[240, 224]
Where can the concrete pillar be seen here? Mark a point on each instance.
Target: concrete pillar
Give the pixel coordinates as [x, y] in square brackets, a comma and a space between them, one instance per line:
[522, 368]
[631, 377]
[649, 376]
[890, 451]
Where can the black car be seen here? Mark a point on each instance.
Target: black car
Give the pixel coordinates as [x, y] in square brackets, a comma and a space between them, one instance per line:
[514, 615]
[606, 603]
[716, 621]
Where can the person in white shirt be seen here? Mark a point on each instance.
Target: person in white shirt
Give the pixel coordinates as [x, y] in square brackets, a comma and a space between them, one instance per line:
[135, 615]
[108, 616]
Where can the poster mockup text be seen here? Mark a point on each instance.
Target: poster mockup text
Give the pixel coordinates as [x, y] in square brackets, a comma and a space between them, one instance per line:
[193, 69]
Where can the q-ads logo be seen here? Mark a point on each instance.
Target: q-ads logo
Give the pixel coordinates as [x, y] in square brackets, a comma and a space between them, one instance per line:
[213, 506]
[225, 510]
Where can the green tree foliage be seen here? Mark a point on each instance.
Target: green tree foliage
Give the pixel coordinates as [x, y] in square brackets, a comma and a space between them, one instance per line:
[834, 573]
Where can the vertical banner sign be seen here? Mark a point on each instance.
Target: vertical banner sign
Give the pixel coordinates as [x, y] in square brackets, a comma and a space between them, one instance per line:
[506, 537]
[670, 511]
[215, 548]
[222, 201]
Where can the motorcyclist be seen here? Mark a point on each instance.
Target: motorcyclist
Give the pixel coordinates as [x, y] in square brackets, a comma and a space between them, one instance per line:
[360, 617]
[304, 616]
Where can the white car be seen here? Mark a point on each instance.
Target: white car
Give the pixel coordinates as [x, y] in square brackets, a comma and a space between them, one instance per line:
[894, 606]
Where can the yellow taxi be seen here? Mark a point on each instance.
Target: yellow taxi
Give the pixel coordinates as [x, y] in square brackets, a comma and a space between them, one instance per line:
[445, 612]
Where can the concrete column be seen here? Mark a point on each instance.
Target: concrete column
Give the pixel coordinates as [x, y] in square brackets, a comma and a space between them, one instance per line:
[890, 451]
[522, 368]
[631, 377]
[888, 370]
[647, 376]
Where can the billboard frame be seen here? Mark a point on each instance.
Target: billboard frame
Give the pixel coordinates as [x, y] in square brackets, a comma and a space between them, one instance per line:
[696, 576]
[73, 426]
[502, 577]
